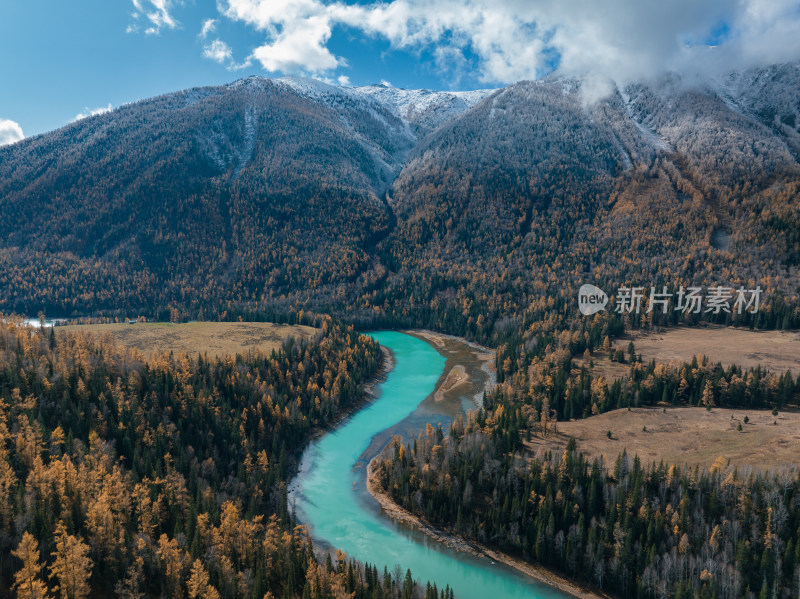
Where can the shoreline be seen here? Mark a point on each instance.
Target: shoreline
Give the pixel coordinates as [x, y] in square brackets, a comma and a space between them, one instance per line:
[455, 376]
[459, 543]
[367, 397]
[483, 353]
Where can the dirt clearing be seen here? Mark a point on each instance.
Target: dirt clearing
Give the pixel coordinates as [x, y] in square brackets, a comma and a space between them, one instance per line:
[693, 436]
[777, 351]
[212, 338]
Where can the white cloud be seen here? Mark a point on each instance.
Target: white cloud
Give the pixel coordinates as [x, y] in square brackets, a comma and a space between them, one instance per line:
[343, 80]
[87, 112]
[157, 14]
[300, 47]
[502, 41]
[10, 132]
[297, 30]
[209, 26]
[222, 53]
[218, 51]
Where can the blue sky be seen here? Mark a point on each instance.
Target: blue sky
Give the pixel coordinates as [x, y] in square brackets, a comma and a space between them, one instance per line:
[62, 59]
[59, 62]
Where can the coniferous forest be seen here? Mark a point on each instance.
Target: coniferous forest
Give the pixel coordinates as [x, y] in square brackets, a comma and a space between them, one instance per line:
[125, 478]
[299, 202]
[632, 529]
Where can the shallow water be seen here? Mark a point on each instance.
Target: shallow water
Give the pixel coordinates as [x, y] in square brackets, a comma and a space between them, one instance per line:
[330, 494]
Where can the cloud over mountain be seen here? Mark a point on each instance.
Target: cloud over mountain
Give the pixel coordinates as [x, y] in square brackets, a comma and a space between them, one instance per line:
[10, 132]
[509, 40]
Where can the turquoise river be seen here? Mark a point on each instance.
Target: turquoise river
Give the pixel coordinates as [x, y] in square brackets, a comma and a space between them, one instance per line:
[330, 497]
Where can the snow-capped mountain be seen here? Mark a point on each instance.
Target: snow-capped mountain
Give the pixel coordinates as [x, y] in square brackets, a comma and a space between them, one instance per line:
[267, 191]
[425, 109]
[422, 110]
[387, 137]
[770, 94]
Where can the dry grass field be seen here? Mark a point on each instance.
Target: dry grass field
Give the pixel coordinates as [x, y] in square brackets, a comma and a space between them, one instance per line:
[778, 351]
[693, 436]
[211, 338]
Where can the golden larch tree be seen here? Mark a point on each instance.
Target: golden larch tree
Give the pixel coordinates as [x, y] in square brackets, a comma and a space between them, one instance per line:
[198, 583]
[72, 565]
[27, 581]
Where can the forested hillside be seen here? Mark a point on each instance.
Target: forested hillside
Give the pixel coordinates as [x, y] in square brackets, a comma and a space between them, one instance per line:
[531, 194]
[120, 478]
[245, 193]
[472, 213]
[633, 529]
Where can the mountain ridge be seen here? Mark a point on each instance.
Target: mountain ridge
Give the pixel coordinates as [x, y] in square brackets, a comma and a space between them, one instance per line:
[274, 194]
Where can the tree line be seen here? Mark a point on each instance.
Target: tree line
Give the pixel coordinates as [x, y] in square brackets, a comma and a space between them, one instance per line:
[167, 478]
[633, 530]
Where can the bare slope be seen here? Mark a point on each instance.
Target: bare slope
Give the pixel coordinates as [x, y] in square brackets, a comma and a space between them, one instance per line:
[212, 338]
[776, 351]
[685, 436]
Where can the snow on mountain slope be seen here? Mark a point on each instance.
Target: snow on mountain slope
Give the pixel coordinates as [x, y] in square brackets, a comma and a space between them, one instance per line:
[379, 130]
[714, 134]
[422, 108]
[769, 93]
[651, 137]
